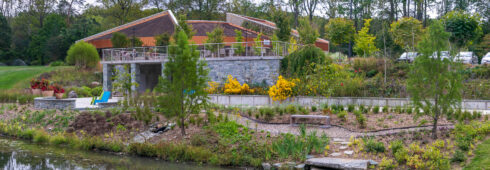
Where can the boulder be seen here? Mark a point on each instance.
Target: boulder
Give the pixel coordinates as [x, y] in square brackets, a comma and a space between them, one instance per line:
[277, 165]
[266, 166]
[338, 163]
[72, 94]
[299, 167]
[18, 62]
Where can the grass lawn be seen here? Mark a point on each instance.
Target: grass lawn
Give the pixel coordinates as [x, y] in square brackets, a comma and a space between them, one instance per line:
[18, 77]
[482, 157]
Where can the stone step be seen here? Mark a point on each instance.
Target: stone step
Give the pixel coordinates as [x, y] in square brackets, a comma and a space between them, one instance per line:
[338, 163]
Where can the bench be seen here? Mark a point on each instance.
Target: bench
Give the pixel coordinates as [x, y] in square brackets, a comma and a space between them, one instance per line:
[294, 117]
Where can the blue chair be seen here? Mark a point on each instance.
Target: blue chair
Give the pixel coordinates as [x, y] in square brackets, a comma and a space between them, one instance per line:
[104, 98]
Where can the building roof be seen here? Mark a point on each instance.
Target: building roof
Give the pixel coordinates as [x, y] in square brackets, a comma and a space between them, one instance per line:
[144, 27]
[202, 27]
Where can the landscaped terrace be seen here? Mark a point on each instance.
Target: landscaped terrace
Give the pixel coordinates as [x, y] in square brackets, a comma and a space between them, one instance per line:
[208, 50]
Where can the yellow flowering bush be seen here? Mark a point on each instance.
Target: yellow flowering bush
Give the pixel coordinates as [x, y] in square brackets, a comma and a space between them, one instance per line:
[282, 89]
[232, 86]
[213, 87]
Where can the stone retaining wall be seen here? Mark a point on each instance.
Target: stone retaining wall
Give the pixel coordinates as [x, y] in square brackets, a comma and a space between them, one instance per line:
[251, 70]
[53, 103]
[260, 100]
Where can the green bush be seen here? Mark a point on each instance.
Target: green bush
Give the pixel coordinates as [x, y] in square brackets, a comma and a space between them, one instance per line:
[296, 63]
[361, 119]
[376, 109]
[40, 137]
[82, 55]
[342, 115]
[372, 146]
[313, 108]
[385, 109]
[395, 146]
[458, 156]
[350, 108]
[290, 146]
[119, 40]
[387, 164]
[96, 91]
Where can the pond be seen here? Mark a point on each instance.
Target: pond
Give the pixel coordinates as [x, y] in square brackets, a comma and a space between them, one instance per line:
[18, 154]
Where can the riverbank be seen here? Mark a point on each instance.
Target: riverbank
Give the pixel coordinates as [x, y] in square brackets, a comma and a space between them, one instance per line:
[221, 136]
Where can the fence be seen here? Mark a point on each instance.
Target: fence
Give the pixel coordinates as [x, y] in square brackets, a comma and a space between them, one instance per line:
[208, 50]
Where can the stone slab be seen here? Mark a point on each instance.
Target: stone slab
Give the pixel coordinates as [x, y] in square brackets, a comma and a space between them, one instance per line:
[338, 163]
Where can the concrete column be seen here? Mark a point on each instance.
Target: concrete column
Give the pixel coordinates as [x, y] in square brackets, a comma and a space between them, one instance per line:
[135, 75]
[107, 77]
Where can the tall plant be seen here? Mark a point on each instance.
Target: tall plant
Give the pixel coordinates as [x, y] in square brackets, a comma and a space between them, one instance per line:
[240, 49]
[83, 55]
[119, 40]
[407, 32]
[364, 42]
[434, 84]
[215, 39]
[184, 83]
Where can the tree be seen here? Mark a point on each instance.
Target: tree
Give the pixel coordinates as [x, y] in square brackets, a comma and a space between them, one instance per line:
[183, 26]
[463, 27]
[5, 34]
[407, 32]
[364, 42]
[340, 30]
[240, 49]
[119, 40]
[184, 82]
[309, 6]
[162, 39]
[215, 39]
[295, 6]
[120, 9]
[135, 42]
[434, 84]
[82, 55]
[307, 35]
[281, 20]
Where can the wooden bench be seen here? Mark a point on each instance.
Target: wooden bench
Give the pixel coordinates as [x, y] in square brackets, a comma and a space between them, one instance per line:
[294, 117]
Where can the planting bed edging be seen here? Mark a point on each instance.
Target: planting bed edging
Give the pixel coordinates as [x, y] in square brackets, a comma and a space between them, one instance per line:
[53, 103]
[263, 100]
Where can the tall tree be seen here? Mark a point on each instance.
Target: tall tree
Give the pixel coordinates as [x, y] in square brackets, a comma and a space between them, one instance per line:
[434, 84]
[5, 34]
[340, 30]
[295, 6]
[184, 82]
[364, 42]
[121, 9]
[310, 6]
[281, 20]
[407, 32]
[307, 35]
[464, 27]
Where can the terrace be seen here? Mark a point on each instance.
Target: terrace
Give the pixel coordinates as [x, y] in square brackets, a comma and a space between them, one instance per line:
[228, 50]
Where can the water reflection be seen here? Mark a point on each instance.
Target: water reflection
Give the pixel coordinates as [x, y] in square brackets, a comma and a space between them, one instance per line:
[19, 155]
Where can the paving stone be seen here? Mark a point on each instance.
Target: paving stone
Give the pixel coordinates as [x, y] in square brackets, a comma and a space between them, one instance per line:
[338, 163]
[348, 152]
[343, 147]
[266, 166]
[335, 154]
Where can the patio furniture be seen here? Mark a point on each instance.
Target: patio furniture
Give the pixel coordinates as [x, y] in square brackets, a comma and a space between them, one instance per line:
[103, 98]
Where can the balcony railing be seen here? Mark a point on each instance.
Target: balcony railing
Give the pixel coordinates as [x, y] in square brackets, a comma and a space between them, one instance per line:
[208, 50]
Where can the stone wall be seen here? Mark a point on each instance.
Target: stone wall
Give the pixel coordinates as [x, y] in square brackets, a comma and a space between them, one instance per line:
[53, 103]
[251, 70]
[261, 100]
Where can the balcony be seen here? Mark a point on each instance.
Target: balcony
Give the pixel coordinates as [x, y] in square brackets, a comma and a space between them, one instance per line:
[229, 50]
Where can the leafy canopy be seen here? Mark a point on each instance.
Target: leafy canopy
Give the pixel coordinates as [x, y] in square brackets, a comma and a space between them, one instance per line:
[407, 32]
[119, 40]
[340, 30]
[463, 27]
[307, 35]
[184, 82]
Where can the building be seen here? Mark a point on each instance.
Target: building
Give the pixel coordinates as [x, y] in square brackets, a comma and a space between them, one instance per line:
[250, 61]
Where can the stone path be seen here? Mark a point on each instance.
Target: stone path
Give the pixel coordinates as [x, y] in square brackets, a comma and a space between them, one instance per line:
[332, 132]
[84, 103]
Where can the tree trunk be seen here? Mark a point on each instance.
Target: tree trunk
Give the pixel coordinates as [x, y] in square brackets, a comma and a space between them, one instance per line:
[392, 11]
[434, 127]
[182, 126]
[404, 7]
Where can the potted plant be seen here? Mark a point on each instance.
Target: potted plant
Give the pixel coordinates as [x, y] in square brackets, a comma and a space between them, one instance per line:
[47, 90]
[35, 87]
[58, 91]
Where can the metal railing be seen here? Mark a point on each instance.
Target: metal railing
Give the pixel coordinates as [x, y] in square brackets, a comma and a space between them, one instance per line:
[208, 50]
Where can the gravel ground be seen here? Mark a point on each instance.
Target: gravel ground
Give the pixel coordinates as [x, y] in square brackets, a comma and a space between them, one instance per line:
[333, 132]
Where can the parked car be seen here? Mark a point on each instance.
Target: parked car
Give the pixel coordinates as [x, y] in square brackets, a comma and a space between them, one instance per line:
[486, 59]
[408, 56]
[466, 57]
[444, 54]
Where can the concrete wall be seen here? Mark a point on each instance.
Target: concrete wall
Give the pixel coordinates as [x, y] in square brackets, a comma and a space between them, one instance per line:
[260, 100]
[245, 69]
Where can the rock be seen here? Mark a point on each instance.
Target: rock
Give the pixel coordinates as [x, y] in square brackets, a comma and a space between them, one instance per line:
[338, 163]
[300, 166]
[266, 166]
[338, 140]
[290, 164]
[343, 147]
[348, 152]
[72, 94]
[309, 156]
[371, 162]
[95, 84]
[18, 62]
[277, 165]
[335, 154]
[345, 143]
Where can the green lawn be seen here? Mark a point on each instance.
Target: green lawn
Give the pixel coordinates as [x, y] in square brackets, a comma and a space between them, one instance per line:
[18, 77]
[482, 157]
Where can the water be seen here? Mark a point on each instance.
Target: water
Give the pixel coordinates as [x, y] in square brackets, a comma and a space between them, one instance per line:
[21, 155]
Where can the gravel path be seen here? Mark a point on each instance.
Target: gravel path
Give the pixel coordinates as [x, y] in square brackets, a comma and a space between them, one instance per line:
[333, 132]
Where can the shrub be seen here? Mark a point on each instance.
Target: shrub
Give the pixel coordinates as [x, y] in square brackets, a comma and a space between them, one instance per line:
[291, 109]
[372, 146]
[385, 109]
[401, 155]
[376, 109]
[395, 146]
[57, 63]
[387, 164]
[82, 55]
[96, 91]
[282, 89]
[295, 64]
[458, 156]
[361, 119]
[58, 139]
[232, 86]
[350, 108]
[313, 108]
[342, 115]
[40, 137]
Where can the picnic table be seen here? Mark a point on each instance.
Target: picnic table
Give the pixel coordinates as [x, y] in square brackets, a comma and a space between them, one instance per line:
[294, 117]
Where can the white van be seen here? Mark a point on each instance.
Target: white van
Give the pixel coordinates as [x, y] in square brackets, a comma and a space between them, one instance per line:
[466, 57]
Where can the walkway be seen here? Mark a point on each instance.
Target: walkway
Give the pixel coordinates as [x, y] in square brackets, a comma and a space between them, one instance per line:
[333, 132]
[84, 103]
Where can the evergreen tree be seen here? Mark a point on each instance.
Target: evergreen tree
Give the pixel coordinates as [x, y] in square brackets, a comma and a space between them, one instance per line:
[184, 82]
[5, 34]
